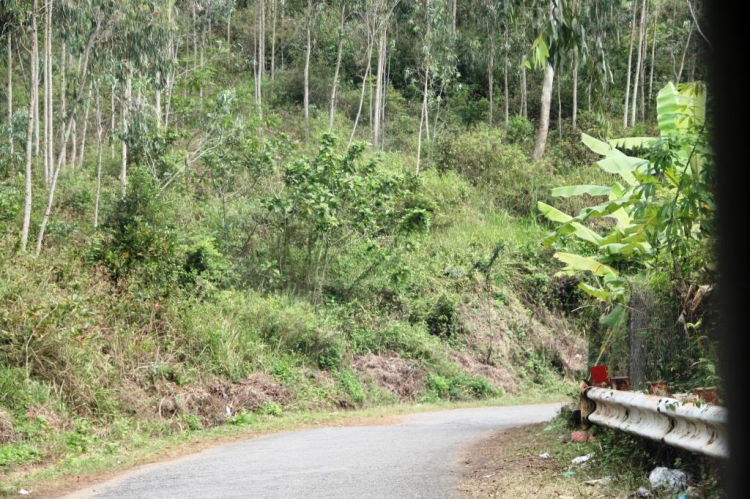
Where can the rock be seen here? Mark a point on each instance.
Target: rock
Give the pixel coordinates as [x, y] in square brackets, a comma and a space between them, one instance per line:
[642, 492]
[600, 481]
[667, 480]
[544, 456]
[582, 459]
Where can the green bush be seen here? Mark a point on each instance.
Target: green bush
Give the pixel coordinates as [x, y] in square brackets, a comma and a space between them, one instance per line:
[138, 236]
[442, 320]
[461, 387]
[501, 170]
[520, 131]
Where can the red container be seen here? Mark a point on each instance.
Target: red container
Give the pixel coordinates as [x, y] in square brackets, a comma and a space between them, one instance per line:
[599, 375]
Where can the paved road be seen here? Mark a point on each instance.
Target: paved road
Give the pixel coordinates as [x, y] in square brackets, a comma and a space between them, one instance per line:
[416, 458]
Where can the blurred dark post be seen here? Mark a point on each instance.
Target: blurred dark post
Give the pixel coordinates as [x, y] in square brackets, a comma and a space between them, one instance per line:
[726, 28]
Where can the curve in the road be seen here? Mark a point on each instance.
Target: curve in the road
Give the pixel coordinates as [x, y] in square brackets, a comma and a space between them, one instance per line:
[418, 458]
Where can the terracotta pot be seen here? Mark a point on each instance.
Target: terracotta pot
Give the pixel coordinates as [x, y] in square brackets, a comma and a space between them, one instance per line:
[621, 383]
[658, 388]
[708, 394]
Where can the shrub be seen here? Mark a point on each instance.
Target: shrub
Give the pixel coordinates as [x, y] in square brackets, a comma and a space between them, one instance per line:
[443, 319]
[520, 131]
[138, 236]
[461, 386]
[504, 171]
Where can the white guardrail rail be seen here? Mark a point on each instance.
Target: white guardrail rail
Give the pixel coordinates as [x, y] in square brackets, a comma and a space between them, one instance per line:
[694, 427]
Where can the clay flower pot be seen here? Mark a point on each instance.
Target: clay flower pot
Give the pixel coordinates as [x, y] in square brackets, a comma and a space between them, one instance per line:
[658, 388]
[708, 394]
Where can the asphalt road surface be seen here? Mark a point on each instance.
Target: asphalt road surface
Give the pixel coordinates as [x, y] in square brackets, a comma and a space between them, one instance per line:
[418, 457]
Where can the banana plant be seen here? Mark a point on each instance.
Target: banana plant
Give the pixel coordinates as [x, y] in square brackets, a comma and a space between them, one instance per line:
[655, 201]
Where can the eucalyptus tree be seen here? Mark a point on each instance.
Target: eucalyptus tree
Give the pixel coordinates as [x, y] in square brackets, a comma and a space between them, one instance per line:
[382, 11]
[130, 32]
[432, 24]
[11, 19]
[33, 96]
[496, 15]
[564, 33]
[341, 36]
[138, 48]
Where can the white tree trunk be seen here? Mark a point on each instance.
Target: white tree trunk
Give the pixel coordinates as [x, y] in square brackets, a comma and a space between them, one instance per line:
[308, 51]
[491, 78]
[30, 128]
[379, 85]
[10, 91]
[68, 127]
[85, 127]
[634, 107]
[541, 136]
[334, 86]
[506, 96]
[125, 116]
[574, 118]
[423, 120]
[362, 93]
[99, 147]
[653, 55]
[630, 62]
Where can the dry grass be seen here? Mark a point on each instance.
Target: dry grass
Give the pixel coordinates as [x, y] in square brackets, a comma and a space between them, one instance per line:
[507, 464]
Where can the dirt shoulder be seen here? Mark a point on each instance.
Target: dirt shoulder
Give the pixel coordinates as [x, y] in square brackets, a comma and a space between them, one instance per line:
[508, 464]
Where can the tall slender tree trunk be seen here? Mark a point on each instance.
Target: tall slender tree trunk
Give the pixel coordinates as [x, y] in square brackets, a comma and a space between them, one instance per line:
[455, 17]
[543, 128]
[684, 52]
[49, 129]
[653, 55]
[10, 91]
[273, 39]
[386, 83]
[559, 111]
[334, 85]
[424, 118]
[574, 118]
[125, 126]
[99, 147]
[68, 127]
[362, 93]
[491, 77]
[84, 128]
[630, 63]
[308, 51]
[63, 100]
[113, 117]
[634, 107]
[525, 94]
[35, 91]
[382, 44]
[30, 128]
[506, 95]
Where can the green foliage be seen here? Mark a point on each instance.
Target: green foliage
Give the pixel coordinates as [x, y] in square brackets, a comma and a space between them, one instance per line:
[664, 207]
[139, 235]
[503, 171]
[520, 131]
[442, 321]
[461, 387]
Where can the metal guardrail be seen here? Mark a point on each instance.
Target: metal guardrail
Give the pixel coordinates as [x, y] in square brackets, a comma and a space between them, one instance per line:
[697, 428]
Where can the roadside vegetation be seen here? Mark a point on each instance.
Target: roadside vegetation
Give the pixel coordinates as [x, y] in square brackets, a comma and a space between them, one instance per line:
[229, 213]
[538, 461]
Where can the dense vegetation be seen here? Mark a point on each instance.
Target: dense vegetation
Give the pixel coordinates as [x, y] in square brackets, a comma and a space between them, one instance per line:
[256, 207]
